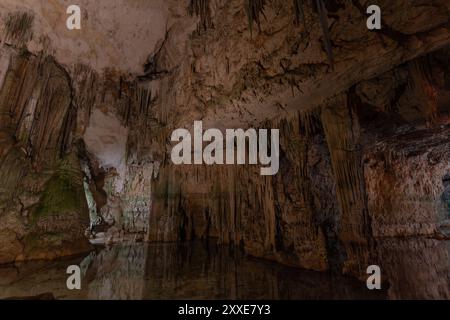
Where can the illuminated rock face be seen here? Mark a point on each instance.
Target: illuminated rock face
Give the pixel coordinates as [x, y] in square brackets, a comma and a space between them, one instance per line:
[363, 145]
[42, 197]
[115, 34]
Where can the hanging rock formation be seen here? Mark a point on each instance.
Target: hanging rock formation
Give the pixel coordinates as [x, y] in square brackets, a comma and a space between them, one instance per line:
[42, 197]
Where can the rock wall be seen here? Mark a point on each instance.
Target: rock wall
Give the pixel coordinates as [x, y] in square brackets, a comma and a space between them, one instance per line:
[237, 78]
[42, 199]
[287, 217]
[405, 186]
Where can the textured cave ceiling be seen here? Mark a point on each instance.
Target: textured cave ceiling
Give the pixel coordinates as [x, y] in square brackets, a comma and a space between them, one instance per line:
[115, 33]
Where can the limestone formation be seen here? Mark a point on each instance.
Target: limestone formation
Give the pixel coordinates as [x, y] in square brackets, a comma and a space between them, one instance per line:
[363, 119]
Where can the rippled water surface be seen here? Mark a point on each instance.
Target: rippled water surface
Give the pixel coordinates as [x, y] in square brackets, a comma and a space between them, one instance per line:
[412, 268]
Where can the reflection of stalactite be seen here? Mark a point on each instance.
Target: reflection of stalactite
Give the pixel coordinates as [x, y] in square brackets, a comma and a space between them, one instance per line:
[422, 85]
[124, 266]
[416, 268]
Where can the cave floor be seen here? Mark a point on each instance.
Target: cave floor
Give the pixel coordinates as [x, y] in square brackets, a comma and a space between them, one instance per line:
[417, 268]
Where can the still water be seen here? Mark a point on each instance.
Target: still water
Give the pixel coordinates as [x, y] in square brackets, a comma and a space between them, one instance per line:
[414, 268]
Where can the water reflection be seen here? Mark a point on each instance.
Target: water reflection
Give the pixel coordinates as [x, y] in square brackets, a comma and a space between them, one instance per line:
[415, 268]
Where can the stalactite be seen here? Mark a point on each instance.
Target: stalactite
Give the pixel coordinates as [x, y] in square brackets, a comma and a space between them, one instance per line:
[341, 128]
[202, 9]
[254, 10]
[85, 85]
[323, 16]
[18, 98]
[53, 111]
[18, 28]
[37, 95]
[144, 100]
[299, 12]
[39, 166]
[422, 84]
[274, 217]
[220, 200]
[309, 122]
